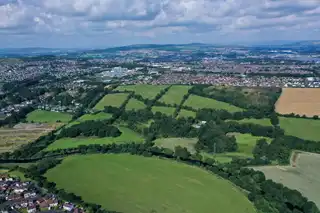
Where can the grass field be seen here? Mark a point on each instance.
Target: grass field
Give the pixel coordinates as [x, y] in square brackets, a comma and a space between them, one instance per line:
[305, 177]
[307, 129]
[186, 113]
[127, 135]
[175, 94]
[95, 117]
[12, 138]
[18, 174]
[121, 183]
[115, 100]
[42, 116]
[165, 110]
[262, 122]
[146, 91]
[301, 101]
[135, 104]
[171, 143]
[198, 102]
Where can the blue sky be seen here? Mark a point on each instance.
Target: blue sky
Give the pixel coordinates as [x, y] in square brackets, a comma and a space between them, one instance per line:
[105, 23]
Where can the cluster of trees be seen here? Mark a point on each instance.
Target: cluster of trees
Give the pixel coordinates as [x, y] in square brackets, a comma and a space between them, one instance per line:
[292, 115]
[16, 117]
[90, 128]
[266, 195]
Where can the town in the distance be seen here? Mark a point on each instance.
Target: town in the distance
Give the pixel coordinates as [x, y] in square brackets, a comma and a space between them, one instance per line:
[176, 128]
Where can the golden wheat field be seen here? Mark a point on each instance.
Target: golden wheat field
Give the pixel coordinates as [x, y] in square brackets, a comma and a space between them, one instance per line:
[301, 101]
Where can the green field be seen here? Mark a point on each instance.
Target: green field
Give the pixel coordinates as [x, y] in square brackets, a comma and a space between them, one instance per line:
[127, 135]
[135, 104]
[307, 129]
[18, 174]
[146, 91]
[128, 183]
[165, 110]
[115, 100]
[186, 113]
[262, 122]
[171, 143]
[175, 94]
[42, 116]
[198, 102]
[95, 117]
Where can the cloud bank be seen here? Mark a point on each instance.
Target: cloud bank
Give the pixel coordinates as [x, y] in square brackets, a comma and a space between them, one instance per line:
[116, 22]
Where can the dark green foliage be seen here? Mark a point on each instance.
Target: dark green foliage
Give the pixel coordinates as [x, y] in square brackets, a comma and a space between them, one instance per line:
[16, 117]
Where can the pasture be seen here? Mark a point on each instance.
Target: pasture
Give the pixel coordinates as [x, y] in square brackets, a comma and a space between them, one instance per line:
[175, 94]
[165, 110]
[114, 100]
[186, 113]
[301, 101]
[12, 138]
[146, 91]
[114, 181]
[127, 136]
[134, 104]
[43, 116]
[95, 117]
[304, 177]
[198, 102]
[262, 122]
[307, 129]
[171, 143]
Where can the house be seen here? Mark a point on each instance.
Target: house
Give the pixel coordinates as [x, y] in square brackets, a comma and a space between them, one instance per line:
[31, 209]
[13, 197]
[24, 204]
[44, 205]
[30, 194]
[19, 190]
[52, 203]
[68, 206]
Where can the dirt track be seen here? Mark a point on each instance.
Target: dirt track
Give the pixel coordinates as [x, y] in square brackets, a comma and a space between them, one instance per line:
[302, 101]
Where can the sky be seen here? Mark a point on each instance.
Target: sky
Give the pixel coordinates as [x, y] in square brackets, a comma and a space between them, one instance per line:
[107, 23]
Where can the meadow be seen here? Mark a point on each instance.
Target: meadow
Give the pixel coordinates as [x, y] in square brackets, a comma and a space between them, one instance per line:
[165, 110]
[95, 117]
[186, 113]
[262, 122]
[114, 100]
[134, 104]
[114, 181]
[146, 91]
[198, 102]
[171, 143]
[301, 101]
[307, 129]
[43, 116]
[175, 94]
[127, 135]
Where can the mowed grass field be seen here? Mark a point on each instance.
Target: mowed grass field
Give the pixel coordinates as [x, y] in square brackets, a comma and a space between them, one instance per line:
[301, 101]
[95, 117]
[165, 110]
[198, 102]
[307, 129]
[127, 183]
[262, 122]
[115, 100]
[146, 91]
[171, 143]
[175, 94]
[134, 104]
[127, 136]
[186, 113]
[43, 116]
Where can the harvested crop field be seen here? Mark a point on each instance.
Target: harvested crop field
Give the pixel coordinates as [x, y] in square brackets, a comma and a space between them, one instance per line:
[13, 138]
[305, 177]
[301, 101]
[128, 183]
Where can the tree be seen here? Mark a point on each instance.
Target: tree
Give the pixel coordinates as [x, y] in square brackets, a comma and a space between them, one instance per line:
[261, 149]
[181, 153]
[274, 119]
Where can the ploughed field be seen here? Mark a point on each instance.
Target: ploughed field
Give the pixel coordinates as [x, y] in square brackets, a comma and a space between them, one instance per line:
[301, 101]
[127, 183]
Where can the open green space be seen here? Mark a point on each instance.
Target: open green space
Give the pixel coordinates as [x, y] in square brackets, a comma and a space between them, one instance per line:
[198, 102]
[175, 94]
[171, 143]
[146, 91]
[186, 113]
[127, 183]
[18, 174]
[114, 100]
[165, 110]
[134, 104]
[127, 136]
[95, 117]
[43, 116]
[307, 129]
[262, 122]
